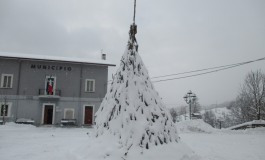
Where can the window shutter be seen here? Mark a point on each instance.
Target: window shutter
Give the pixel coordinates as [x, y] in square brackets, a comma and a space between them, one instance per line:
[91, 86]
[5, 82]
[9, 81]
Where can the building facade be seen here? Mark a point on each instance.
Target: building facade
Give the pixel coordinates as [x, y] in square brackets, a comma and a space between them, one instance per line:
[51, 90]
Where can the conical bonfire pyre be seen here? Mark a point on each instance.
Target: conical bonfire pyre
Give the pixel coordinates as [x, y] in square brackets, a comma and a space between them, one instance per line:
[132, 110]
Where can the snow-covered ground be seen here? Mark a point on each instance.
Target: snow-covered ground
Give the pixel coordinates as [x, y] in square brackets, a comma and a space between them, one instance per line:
[215, 144]
[25, 142]
[232, 146]
[198, 126]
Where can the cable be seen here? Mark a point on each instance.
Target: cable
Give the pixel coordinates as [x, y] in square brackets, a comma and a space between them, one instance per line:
[235, 64]
[223, 67]
[228, 67]
[194, 74]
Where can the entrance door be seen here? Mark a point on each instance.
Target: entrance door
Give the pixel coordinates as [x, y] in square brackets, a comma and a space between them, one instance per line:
[88, 115]
[48, 114]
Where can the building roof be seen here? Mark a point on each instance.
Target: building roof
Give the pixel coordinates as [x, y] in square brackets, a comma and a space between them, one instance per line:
[254, 122]
[55, 58]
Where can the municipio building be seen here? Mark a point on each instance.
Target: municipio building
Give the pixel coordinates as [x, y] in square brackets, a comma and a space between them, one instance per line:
[48, 90]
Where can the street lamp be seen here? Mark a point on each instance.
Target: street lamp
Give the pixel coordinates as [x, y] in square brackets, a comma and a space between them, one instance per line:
[189, 98]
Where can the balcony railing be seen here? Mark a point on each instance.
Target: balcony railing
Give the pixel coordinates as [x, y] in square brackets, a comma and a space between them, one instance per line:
[43, 92]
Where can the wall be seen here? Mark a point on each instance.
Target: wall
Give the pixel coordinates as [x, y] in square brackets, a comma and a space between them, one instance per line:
[8, 66]
[70, 79]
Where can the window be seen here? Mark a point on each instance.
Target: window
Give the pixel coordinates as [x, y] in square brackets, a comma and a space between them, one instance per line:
[4, 110]
[50, 84]
[90, 85]
[6, 80]
[69, 113]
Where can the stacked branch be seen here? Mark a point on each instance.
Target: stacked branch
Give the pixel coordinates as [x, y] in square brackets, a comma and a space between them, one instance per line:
[132, 110]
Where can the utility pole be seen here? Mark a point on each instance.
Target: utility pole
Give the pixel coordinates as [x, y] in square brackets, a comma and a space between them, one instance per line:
[189, 98]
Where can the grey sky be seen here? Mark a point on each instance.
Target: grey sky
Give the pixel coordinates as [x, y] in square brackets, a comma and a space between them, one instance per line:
[174, 36]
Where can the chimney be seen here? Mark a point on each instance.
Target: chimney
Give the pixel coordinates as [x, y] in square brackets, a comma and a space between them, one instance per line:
[103, 56]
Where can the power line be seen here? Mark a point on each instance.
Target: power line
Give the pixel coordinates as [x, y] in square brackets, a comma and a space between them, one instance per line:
[199, 70]
[218, 68]
[225, 67]
[194, 74]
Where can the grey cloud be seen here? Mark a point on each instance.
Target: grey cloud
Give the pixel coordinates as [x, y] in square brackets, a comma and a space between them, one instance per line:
[173, 36]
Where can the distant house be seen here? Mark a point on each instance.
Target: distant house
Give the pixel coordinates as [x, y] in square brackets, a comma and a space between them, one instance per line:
[49, 90]
[251, 124]
[196, 116]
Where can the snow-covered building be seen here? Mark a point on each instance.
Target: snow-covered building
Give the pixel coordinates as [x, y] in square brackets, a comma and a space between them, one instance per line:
[49, 90]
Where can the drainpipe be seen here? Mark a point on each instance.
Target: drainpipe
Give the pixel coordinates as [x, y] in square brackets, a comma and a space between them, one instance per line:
[80, 91]
[18, 85]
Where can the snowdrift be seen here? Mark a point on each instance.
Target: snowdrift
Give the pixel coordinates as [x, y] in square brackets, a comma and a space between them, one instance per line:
[195, 126]
[109, 148]
[15, 126]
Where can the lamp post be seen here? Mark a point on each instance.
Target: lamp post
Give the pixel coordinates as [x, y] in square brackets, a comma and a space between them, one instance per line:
[189, 98]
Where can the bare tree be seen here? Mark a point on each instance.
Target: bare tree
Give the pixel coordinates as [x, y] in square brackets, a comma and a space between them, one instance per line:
[182, 110]
[196, 107]
[174, 114]
[209, 117]
[237, 116]
[251, 98]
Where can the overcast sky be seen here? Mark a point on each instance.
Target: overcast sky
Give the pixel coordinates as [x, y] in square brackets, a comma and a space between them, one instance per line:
[173, 35]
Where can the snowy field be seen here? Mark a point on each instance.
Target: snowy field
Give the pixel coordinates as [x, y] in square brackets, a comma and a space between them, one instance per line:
[25, 142]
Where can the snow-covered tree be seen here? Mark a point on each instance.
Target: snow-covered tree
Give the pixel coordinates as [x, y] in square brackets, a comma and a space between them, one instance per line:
[210, 118]
[132, 110]
[252, 95]
[250, 103]
[196, 107]
[174, 114]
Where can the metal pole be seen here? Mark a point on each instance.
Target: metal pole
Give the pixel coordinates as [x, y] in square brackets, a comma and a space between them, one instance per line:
[190, 109]
[134, 12]
[185, 113]
[189, 98]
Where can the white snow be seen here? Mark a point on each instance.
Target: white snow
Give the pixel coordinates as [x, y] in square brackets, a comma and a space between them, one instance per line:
[262, 122]
[220, 113]
[195, 126]
[54, 58]
[133, 113]
[228, 146]
[26, 142]
[24, 120]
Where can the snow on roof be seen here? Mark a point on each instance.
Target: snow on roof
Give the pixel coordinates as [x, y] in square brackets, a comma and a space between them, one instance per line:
[248, 123]
[55, 58]
[197, 114]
